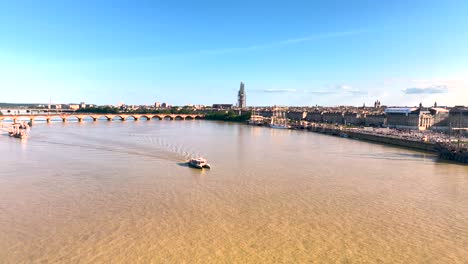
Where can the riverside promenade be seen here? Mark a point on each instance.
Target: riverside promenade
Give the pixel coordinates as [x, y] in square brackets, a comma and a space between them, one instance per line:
[390, 138]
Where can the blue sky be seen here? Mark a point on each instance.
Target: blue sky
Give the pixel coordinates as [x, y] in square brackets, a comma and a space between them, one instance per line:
[286, 52]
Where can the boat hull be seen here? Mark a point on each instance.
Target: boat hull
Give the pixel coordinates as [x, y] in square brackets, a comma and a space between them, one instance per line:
[206, 166]
[194, 166]
[279, 127]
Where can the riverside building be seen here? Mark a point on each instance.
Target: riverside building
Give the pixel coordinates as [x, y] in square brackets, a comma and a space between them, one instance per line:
[458, 117]
[420, 118]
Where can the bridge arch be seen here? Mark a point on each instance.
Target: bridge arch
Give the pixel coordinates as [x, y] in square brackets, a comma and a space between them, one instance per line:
[117, 117]
[109, 117]
[197, 117]
[178, 117]
[71, 118]
[56, 118]
[7, 118]
[157, 117]
[98, 117]
[168, 117]
[87, 117]
[46, 118]
[189, 118]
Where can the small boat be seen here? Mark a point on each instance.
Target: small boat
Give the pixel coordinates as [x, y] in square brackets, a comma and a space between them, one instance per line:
[18, 131]
[198, 163]
[21, 135]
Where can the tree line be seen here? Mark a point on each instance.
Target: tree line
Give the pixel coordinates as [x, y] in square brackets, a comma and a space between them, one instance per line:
[211, 115]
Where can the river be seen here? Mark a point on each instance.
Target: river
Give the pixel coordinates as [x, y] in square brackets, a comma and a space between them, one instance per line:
[118, 192]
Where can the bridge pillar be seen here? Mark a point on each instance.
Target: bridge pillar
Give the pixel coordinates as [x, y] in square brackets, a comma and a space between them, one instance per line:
[64, 119]
[137, 118]
[94, 119]
[80, 119]
[48, 120]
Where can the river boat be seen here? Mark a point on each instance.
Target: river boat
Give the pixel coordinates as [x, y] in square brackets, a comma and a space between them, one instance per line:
[280, 126]
[21, 135]
[279, 120]
[199, 163]
[255, 119]
[18, 131]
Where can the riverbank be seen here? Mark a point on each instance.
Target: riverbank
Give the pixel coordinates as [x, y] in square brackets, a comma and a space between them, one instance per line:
[383, 139]
[444, 149]
[421, 141]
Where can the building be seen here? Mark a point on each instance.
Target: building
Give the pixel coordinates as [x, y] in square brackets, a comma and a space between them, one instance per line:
[333, 117]
[377, 104]
[352, 118]
[56, 106]
[241, 97]
[296, 115]
[441, 118]
[458, 117]
[266, 113]
[315, 116]
[83, 105]
[409, 118]
[222, 106]
[74, 107]
[375, 119]
[157, 105]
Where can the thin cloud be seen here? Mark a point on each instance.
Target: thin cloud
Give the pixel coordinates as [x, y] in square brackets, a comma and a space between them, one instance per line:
[351, 90]
[220, 51]
[337, 89]
[348, 89]
[321, 92]
[279, 90]
[322, 36]
[286, 42]
[279, 43]
[439, 89]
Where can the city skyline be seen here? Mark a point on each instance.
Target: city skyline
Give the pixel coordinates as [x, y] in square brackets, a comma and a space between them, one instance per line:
[300, 53]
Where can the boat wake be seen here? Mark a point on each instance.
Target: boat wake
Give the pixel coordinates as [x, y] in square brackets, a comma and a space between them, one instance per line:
[139, 145]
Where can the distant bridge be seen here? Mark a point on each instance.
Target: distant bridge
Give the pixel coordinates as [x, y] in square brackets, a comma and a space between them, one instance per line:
[80, 117]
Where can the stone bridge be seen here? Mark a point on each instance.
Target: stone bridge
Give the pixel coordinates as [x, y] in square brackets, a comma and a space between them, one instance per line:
[110, 117]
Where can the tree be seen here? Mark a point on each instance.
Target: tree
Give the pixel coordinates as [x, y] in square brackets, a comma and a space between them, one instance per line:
[228, 116]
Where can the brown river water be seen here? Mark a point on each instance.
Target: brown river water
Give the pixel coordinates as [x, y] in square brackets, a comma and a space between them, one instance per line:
[118, 192]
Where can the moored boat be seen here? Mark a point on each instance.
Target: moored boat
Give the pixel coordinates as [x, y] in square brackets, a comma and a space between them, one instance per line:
[18, 131]
[280, 126]
[279, 120]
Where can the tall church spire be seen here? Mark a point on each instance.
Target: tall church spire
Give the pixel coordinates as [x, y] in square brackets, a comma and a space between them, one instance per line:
[241, 97]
